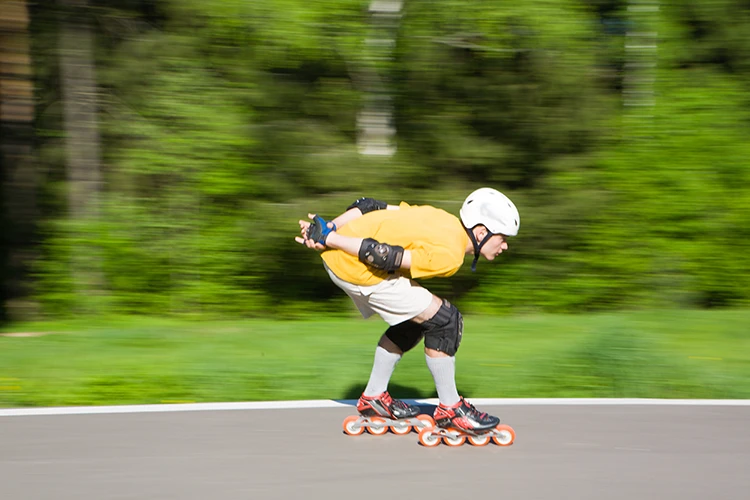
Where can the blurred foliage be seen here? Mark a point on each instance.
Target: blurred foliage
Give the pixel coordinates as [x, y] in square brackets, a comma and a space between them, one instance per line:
[225, 121]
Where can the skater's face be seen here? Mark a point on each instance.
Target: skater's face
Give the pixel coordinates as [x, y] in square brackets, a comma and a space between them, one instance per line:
[494, 246]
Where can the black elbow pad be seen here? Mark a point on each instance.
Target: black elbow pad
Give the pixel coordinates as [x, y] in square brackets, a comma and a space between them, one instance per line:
[381, 255]
[366, 205]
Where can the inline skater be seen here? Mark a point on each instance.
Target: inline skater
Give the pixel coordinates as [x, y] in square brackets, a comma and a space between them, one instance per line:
[374, 251]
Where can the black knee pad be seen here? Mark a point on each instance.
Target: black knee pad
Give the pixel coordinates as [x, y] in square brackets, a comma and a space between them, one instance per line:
[405, 335]
[443, 332]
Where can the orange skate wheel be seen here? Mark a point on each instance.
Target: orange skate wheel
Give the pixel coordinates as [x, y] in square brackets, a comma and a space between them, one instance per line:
[401, 428]
[424, 422]
[351, 427]
[428, 438]
[456, 440]
[377, 426]
[504, 435]
[482, 440]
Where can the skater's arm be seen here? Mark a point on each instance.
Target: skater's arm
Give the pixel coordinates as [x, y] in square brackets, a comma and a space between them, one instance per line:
[352, 214]
[348, 244]
[352, 246]
[348, 216]
[360, 207]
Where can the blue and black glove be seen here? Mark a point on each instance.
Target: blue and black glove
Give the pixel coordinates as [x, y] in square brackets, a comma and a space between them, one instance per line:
[319, 230]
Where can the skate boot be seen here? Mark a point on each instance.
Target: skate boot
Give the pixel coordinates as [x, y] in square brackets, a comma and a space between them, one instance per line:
[378, 414]
[454, 424]
[464, 417]
[385, 406]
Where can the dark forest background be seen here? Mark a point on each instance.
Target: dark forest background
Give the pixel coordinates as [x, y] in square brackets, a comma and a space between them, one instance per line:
[156, 155]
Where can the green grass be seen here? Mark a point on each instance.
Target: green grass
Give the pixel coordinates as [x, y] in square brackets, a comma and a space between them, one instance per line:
[667, 354]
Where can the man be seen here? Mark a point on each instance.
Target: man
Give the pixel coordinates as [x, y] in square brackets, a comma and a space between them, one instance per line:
[373, 252]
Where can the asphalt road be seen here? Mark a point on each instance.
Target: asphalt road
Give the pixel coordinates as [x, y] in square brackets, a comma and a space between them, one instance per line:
[561, 452]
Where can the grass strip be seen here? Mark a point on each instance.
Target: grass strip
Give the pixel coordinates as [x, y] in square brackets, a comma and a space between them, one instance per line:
[653, 354]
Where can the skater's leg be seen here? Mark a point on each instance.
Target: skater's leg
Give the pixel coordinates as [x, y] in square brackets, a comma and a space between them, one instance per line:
[398, 301]
[389, 345]
[387, 356]
[443, 334]
[443, 327]
[394, 342]
[427, 314]
[392, 345]
[443, 370]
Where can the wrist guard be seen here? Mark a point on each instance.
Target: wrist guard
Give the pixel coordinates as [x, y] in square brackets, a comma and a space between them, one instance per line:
[319, 230]
[381, 255]
[366, 205]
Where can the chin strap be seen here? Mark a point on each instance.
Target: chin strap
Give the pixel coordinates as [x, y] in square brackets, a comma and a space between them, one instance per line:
[477, 246]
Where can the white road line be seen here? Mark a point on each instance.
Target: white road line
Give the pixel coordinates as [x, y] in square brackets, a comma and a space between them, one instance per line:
[329, 403]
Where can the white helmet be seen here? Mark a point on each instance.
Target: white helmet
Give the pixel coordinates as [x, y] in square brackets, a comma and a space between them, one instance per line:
[492, 209]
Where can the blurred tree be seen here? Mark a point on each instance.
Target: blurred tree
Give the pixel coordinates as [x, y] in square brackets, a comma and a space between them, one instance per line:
[224, 121]
[494, 93]
[81, 123]
[17, 166]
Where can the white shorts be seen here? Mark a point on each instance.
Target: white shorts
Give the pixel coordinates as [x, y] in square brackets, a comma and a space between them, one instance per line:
[396, 299]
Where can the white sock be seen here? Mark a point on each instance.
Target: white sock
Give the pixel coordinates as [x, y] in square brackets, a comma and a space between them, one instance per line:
[382, 369]
[444, 372]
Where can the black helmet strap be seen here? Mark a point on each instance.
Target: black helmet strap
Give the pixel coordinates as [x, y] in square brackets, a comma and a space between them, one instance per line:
[477, 245]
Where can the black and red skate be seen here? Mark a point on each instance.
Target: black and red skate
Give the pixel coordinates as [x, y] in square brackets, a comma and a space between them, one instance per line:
[378, 414]
[454, 424]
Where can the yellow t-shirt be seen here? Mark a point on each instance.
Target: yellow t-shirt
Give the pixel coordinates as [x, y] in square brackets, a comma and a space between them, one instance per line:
[437, 241]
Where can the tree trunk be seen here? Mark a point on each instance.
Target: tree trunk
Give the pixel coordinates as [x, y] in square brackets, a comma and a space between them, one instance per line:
[375, 122]
[17, 167]
[80, 104]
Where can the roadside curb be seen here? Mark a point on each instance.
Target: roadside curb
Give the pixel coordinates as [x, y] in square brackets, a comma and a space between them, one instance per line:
[342, 403]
